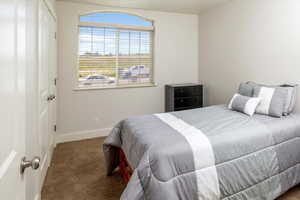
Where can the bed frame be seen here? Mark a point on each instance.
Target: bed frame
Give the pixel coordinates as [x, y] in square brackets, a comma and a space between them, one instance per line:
[124, 167]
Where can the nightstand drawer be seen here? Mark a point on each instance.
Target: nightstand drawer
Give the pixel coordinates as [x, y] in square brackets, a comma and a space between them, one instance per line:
[184, 102]
[183, 92]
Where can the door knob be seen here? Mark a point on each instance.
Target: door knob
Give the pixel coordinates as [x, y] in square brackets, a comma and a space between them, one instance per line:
[51, 97]
[34, 164]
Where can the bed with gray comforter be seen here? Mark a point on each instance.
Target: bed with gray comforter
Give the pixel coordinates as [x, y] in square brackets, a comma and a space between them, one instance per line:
[208, 153]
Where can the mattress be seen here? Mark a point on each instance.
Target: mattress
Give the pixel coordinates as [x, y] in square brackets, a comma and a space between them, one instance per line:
[207, 153]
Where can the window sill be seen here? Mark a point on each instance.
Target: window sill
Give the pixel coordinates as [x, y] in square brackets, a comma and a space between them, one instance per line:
[89, 87]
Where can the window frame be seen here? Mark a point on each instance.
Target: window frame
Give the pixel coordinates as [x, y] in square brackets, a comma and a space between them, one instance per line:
[151, 83]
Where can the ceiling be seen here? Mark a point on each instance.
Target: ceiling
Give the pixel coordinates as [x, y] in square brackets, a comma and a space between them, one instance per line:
[180, 6]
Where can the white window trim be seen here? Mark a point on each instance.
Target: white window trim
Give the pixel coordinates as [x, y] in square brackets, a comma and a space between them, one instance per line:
[152, 83]
[97, 87]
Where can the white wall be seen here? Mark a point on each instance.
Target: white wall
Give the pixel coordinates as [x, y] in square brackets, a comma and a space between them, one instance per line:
[255, 40]
[93, 111]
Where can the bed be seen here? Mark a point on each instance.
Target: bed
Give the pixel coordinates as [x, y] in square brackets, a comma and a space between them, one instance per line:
[207, 153]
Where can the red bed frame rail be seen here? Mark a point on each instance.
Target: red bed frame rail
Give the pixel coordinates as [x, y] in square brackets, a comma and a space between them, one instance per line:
[124, 167]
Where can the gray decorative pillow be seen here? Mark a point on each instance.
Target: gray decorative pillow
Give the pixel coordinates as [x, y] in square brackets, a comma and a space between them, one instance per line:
[289, 105]
[292, 95]
[246, 89]
[273, 100]
[244, 104]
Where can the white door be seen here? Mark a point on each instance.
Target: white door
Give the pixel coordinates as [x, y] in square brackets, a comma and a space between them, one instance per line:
[12, 97]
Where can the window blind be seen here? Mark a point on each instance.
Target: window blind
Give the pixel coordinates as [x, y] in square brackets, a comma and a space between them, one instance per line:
[112, 56]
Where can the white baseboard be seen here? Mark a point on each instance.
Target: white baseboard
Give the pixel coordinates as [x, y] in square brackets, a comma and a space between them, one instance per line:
[81, 135]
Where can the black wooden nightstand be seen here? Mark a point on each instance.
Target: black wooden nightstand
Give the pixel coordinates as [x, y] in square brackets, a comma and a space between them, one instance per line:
[183, 96]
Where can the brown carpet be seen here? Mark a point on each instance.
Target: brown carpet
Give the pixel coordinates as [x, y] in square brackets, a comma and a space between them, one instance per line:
[77, 172]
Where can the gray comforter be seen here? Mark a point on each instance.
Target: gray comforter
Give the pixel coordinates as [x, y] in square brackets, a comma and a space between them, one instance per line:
[208, 153]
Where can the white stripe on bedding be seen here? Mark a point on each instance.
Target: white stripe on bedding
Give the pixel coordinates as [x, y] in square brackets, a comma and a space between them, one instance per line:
[204, 159]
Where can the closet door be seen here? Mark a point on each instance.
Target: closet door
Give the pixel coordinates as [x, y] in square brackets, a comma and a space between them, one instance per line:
[46, 89]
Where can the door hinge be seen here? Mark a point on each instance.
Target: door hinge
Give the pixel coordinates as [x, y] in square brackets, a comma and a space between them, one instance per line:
[55, 81]
[54, 128]
[55, 35]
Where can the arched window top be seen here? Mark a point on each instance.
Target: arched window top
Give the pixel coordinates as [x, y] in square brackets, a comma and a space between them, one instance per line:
[116, 18]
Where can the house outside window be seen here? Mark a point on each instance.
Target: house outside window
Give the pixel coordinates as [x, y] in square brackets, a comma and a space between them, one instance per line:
[115, 50]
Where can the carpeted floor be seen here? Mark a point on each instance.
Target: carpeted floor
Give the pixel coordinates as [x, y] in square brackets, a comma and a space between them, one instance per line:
[77, 172]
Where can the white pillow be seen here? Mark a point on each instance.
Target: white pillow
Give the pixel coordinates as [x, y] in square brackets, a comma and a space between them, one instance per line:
[244, 104]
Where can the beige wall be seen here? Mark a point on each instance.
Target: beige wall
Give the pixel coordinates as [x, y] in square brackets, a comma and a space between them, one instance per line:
[255, 40]
[176, 61]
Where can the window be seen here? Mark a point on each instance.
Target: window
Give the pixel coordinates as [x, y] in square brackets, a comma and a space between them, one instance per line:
[115, 49]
